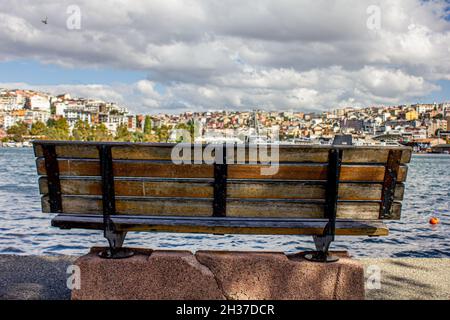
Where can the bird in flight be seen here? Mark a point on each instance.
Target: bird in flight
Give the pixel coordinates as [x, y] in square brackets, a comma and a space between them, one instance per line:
[45, 20]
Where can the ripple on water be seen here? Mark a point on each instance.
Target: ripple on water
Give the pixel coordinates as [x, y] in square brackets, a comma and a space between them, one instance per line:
[26, 230]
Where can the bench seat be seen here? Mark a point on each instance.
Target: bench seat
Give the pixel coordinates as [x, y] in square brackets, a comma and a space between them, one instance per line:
[225, 225]
[320, 191]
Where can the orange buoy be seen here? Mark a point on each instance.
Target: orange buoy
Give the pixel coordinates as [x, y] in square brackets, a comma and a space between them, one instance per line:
[434, 220]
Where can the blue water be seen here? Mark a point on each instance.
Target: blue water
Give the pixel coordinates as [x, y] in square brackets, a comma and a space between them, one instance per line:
[24, 229]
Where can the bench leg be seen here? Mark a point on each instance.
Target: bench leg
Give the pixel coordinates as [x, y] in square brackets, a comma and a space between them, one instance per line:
[321, 254]
[115, 251]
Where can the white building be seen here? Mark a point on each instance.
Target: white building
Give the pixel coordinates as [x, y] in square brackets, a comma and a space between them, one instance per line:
[41, 116]
[423, 108]
[74, 114]
[10, 102]
[60, 108]
[9, 121]
[39, 102]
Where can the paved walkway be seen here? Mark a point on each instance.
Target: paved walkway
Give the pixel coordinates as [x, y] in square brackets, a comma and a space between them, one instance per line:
[40, 277]
[410, 278]
[34, 277]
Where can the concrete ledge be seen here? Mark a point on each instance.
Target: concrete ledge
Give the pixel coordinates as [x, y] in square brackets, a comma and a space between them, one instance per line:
[217, 275]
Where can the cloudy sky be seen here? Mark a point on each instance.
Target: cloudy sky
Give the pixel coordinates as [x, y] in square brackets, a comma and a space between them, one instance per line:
[174, 56]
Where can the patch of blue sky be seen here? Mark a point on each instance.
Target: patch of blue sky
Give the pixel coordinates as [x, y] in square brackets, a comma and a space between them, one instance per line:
[36, 73]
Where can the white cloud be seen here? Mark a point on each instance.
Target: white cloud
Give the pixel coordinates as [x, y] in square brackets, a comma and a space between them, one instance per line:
[240, 54]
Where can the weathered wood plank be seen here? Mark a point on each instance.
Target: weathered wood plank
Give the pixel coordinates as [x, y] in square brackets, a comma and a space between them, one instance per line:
[137, 187]
[203, 207]
[247, 189]
[223, 225]
[123, 168]
[136, 168]
[199, 189]
[354, 173]
[287, 153]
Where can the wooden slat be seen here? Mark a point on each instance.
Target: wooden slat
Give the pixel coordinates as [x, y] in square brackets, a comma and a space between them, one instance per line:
[136, 187]
[246, 189]
[313, 172]
[149, 206]
[250, 189]
[222, 225]
[361, 191]
[135, 168]
[123, 168]
[235, 207]
[287, 153]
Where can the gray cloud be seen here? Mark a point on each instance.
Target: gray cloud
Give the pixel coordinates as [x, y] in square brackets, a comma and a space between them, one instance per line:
[305, 55]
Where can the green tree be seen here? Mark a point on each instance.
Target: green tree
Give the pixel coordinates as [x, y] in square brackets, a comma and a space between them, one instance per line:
[148, 125]
[18, 130]
[190, 127]
[58, 129]
[82, 131]
[193, 129]
[101, 133]
[138, 136]
[151, 138]
[38, 129]
[162, 133]
[53, 133]
[122, 133]
[180, 137]
[60, 123]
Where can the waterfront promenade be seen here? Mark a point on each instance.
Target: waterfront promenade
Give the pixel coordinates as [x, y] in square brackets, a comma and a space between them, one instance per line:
[44, 277]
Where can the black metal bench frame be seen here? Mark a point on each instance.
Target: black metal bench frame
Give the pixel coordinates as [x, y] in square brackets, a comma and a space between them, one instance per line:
[116, 237]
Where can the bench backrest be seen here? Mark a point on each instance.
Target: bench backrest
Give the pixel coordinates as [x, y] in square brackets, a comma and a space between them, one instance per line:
[143, 180]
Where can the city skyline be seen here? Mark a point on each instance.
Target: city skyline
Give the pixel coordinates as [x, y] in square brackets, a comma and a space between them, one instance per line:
[26, 115]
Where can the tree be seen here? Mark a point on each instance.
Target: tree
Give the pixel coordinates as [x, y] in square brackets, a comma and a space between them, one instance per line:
[60, 123]
[122, 133]
[181, 128]
[53, 133]
[57, 129]
[82, 131]
[38, 129]
[151, 138]
[101, 133]
[18, 130]
[162, 133]
[193, 129]
[138, 136]
[148, 125]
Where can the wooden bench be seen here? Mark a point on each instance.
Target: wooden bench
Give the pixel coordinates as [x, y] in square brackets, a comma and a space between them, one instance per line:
[321, 191]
